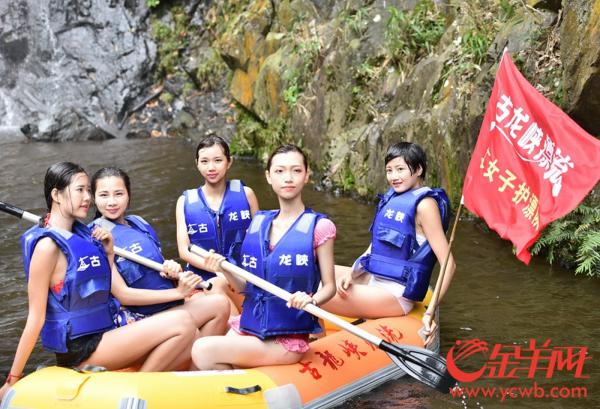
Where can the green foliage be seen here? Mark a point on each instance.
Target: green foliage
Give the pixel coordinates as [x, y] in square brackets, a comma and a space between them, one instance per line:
[366, 72]
[292, 92]
[307, 50]
[152, 3]
[255, 138]
[188, 87]
[470, 49]
[559, 92]
[362, 99]
[211, 71]
[170, 39]
[357, 21]
[166, 97]
[412, 35]
[365, 77]
[574, 240]
[160, 31]
[507, 10]
[223, 16]
[348, 179]
[475, 43]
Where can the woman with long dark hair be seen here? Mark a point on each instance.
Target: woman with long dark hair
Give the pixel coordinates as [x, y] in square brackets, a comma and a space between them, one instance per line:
[111, 188]
[215, 215]
[291, 247]
[70, 271]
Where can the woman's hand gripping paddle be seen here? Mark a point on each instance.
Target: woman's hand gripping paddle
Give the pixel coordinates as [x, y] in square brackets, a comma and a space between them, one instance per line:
[424, 365]
[30, 217]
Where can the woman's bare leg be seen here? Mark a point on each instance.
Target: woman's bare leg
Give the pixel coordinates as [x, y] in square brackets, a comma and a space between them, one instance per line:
[363, 301]
[156, 341]
[221, 286]
[209, 313]
[239, 351]
[184, 360]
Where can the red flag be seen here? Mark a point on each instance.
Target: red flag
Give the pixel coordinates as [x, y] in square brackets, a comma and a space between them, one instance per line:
[532, 163]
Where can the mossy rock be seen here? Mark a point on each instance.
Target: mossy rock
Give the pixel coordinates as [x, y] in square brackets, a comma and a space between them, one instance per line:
[239, 42]
[580, 54]
[268, 101]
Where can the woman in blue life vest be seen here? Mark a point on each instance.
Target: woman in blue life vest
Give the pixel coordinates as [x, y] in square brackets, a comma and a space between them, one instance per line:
[215, 215]
[292, 248]
[70, 275]
[111, 190]
[408, 235]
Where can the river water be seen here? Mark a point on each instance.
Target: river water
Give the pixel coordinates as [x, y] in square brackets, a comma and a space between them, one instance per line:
[493, 297]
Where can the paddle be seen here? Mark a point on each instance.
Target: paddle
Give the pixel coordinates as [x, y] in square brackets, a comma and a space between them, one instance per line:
[424, 365]
[438, 285]
[30, 217]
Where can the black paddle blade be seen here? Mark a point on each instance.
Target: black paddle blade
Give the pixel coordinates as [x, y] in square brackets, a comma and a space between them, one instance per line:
[422, 364]
[10, 209]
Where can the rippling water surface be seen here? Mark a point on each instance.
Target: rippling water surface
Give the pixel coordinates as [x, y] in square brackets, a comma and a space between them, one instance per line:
[493, 297]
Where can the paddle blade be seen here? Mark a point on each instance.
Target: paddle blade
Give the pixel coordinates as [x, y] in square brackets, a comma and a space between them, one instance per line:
[10, 209]
[15, 211]
[423, 365]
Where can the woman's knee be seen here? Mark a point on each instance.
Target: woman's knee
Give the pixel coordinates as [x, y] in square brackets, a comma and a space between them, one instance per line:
[203, 350]
[220, 305]
[181, 322]
[200, 347]
[219, 285]
[208, 307]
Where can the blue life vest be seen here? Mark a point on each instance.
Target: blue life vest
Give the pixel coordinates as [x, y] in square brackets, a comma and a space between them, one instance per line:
[291, 265]
[139, 238]
[395, 253]
[84, 305]
[222, 231]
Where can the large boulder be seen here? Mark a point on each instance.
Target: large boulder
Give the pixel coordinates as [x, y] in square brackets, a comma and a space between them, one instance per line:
[72, 69]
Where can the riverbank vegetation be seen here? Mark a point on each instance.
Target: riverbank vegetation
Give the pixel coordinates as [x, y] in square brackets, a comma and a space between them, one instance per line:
[346, 78]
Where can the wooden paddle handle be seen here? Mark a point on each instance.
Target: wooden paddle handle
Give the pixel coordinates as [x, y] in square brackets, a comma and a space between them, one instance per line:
[283, 294]
[150, 263]
[30, 217]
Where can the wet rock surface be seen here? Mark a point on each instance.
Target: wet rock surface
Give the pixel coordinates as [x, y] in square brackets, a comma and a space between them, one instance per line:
[72, 69]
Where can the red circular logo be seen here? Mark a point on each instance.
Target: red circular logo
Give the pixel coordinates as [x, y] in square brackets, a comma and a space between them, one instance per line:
[460, 351]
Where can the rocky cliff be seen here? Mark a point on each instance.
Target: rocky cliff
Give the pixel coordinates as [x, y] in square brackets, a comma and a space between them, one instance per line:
[347, 78]
[72, 69]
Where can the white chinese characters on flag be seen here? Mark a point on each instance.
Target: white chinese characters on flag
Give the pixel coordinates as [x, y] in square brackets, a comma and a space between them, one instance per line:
[532, 163]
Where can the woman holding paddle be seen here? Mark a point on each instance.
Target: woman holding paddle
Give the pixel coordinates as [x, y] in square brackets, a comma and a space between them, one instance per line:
[70, 272]
[215, 215]
[408, 235]
[292, 248]
[111, 190]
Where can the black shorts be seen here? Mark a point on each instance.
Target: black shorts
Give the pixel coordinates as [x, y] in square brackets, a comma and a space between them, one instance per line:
[79, 349]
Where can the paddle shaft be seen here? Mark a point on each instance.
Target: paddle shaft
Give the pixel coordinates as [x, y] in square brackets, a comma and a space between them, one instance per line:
[399, 354]
[154, 265]
[285, 295]
[429, 368]
[438, 286]
[20, 213]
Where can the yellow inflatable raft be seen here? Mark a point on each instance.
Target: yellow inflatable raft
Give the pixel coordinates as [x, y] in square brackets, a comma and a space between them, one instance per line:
[338, 366]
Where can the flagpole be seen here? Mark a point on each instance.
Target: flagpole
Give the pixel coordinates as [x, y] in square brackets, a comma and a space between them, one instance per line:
[438, 286]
